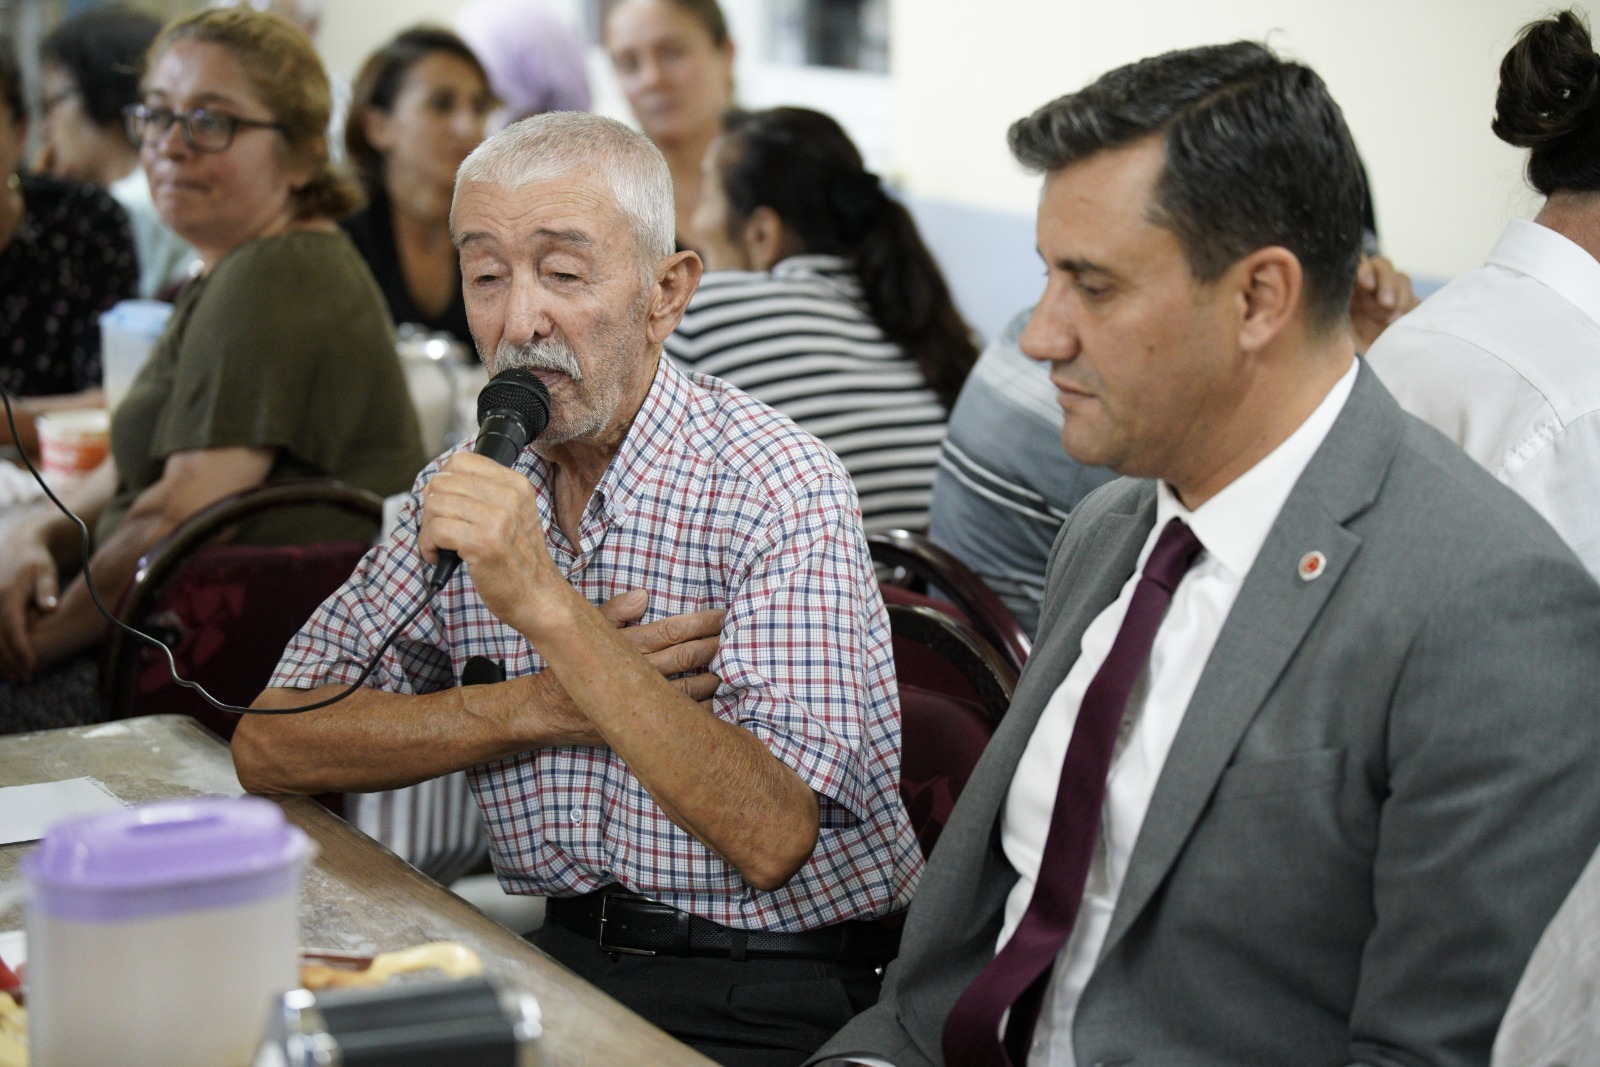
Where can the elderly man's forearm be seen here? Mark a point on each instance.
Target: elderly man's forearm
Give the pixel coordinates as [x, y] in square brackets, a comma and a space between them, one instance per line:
[378, 740]
[715, 779]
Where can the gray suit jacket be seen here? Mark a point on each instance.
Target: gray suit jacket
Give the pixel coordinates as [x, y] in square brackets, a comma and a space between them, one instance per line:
[1385, 783]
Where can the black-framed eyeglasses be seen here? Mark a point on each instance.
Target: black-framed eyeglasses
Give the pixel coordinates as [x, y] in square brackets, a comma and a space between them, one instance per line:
[204, 130]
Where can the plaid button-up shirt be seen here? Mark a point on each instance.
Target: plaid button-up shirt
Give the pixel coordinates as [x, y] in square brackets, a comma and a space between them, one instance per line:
[712, 501]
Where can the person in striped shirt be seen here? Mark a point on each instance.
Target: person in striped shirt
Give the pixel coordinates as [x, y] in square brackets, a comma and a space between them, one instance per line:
[821, 300]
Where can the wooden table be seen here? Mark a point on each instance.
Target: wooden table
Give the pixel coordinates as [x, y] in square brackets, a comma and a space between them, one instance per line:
[358, 896]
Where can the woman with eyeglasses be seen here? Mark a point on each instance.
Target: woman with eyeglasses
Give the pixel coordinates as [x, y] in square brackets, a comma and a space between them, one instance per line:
[90, 74]
[418, 109]
[66, 255]
[278, 360]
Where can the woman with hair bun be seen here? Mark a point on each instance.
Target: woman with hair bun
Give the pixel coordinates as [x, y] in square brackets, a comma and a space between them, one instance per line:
[1505, 360]
[278, 360]
[822, 301]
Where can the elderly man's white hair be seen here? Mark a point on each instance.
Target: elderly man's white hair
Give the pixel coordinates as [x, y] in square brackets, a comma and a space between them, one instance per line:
[554, 145]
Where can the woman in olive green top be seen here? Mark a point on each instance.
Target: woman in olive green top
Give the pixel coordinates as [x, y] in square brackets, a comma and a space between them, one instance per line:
[278, 360]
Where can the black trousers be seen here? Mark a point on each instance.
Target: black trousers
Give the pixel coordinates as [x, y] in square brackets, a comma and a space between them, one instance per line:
[754, 1013]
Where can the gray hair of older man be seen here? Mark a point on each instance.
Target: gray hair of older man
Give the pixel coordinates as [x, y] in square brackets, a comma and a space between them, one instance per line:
[563, 143]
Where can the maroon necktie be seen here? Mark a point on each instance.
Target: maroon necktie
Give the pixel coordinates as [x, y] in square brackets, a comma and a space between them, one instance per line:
[1016, 978]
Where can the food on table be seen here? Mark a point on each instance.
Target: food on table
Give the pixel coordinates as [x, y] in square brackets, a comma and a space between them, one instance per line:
[13, 1033]
[453, 958]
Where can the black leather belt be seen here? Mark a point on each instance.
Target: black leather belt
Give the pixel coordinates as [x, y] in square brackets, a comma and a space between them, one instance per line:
[623, 922]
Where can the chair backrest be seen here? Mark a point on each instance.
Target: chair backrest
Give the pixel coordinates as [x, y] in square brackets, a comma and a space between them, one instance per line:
[226, 611]
[926, 566]
[943, 733]
[914, 660]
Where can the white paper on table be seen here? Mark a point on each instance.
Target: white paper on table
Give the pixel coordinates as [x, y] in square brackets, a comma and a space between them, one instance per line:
[13, 948]
[27, 811]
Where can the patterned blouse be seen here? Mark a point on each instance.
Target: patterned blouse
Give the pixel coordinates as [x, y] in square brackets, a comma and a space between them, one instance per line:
[71, 258]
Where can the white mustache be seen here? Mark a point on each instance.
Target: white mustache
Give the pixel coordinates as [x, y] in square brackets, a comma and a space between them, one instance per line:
[547, 353]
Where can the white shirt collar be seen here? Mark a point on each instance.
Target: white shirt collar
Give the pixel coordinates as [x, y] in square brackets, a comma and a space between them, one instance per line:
[1553, 260]
[1234, 523]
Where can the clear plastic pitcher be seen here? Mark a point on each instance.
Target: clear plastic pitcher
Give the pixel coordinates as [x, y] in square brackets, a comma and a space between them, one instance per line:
[128, 331]
[162, 934]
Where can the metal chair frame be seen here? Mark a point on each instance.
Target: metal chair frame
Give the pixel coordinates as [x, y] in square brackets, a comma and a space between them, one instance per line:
[165, 558]
[934, 566]
[988, 672]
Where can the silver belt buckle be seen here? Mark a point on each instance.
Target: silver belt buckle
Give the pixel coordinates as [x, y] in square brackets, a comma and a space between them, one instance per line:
[605, 906]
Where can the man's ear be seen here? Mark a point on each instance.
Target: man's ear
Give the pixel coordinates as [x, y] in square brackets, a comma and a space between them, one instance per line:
[677, 277]
[763, 236]
[1269, 283]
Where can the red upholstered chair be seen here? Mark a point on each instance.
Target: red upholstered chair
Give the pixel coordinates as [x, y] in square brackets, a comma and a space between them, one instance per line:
[917, 565]
[226, 611]
[943, 732]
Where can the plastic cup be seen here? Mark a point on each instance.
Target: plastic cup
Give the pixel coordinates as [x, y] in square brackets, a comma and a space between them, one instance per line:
[72, 443]
[128, 332]
[162, 934]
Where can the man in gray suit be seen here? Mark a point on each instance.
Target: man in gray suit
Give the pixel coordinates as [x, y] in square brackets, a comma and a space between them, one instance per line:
[1324, 787]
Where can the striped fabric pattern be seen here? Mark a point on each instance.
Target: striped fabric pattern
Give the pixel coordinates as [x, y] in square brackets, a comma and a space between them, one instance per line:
[1020, 504]
[712, 501]
[800, 339]
[1005, 484]
[436, 826]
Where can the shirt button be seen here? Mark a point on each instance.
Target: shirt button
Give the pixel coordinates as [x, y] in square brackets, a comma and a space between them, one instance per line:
[576, 814]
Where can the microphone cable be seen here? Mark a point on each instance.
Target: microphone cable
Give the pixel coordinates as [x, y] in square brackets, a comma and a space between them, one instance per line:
[172, 664]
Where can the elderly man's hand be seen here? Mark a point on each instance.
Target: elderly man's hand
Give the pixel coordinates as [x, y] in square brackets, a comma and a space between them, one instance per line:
[1381, 295]
[489, 516]
[677, 644]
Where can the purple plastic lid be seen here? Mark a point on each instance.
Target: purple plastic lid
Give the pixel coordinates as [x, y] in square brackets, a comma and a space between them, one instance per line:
[172, 856]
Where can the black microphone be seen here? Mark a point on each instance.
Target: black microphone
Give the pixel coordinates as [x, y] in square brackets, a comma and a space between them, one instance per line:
[512, 411]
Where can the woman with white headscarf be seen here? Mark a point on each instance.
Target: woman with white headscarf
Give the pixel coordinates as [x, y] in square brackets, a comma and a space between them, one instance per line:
[533, 56]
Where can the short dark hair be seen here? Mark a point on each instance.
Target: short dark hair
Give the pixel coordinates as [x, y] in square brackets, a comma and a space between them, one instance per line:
[1257, 154]
[11, 81]
[379, 84]
[707, 13]
[1549, 102]
[104, 53]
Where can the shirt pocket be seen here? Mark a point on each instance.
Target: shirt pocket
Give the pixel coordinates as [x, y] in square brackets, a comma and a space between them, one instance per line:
[1296, 773]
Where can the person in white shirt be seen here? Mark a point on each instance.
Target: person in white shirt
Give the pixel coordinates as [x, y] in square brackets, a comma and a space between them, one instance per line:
[1505, 360]
[1302, 762]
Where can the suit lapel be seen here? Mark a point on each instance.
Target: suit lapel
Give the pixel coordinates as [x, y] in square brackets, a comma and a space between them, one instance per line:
[966, 884]
[1093, 574]
[1275, 611]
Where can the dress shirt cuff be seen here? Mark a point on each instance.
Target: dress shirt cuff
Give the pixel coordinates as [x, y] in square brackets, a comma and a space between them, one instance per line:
[854, 1061]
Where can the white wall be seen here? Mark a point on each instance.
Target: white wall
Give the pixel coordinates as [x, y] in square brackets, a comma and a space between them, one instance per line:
[352, 29]
[863, 103]
[1416, 79]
